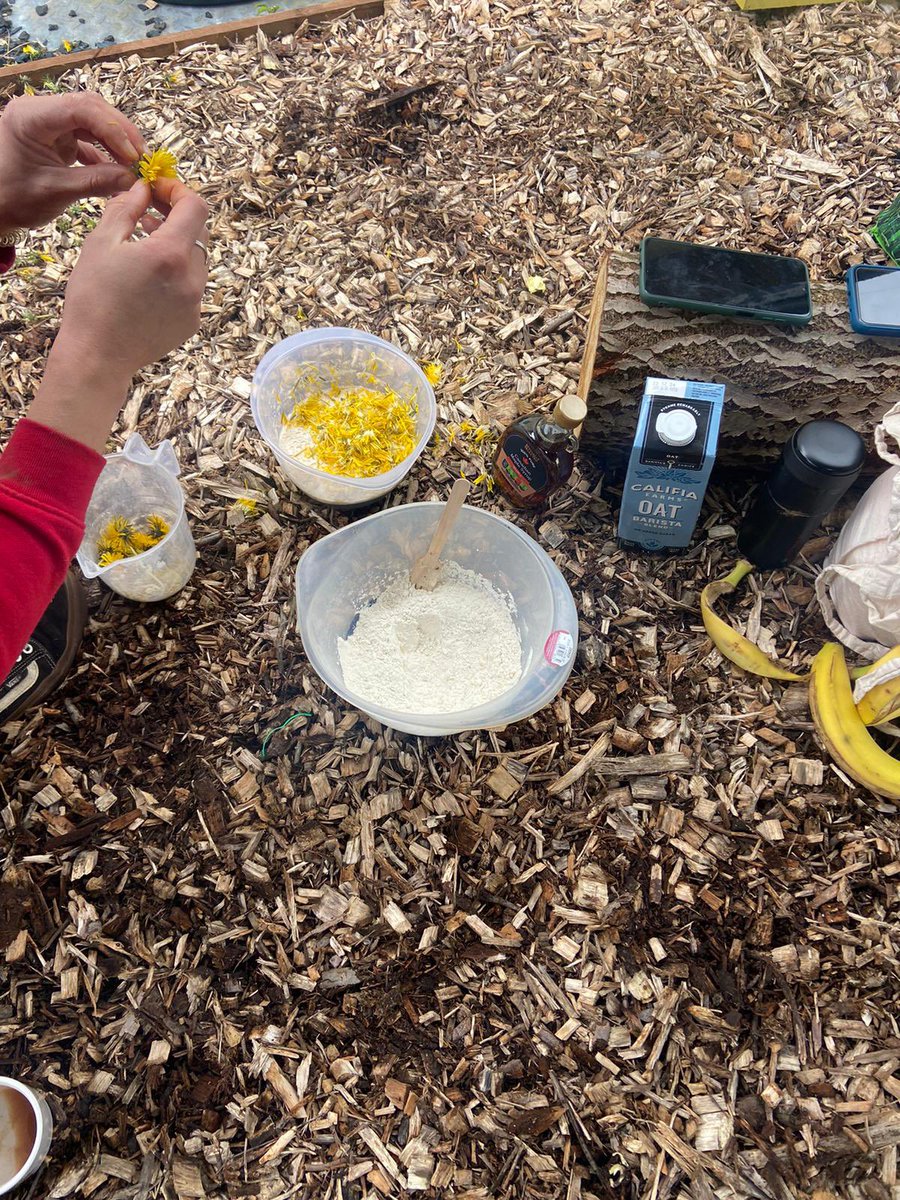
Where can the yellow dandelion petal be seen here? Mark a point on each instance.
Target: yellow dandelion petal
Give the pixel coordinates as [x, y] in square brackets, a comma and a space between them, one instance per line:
[355, 432]
[433, 372]
[67, 45]
[31, 51]
[108, 557]
[161, 164]
[248, 504]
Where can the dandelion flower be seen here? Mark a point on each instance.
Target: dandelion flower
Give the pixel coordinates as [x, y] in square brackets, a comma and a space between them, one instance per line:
[67, 45]
[158, 526]
[118, 534]
[433, 372]
[31, 51]
[161, 164]
[143, 541]
[248, 504]
[124, 538]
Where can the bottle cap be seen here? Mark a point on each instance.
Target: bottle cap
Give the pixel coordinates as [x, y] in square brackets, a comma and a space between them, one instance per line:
[676, 427]
[822, 458]
[570, 412]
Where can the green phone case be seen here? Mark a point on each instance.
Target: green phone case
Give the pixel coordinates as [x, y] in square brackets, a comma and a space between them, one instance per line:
[722, 310]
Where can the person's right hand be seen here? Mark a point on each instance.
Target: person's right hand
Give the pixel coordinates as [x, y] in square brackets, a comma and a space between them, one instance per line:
[128, 301]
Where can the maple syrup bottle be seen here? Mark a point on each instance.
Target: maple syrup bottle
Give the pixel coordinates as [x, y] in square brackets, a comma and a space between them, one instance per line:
[536, 453]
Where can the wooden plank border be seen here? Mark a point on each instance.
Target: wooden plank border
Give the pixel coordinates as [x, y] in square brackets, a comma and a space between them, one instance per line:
[161, 47]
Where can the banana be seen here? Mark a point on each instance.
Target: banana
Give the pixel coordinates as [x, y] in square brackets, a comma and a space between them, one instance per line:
[881, 703]
[889, 656]
[840, 727]
[733, 645]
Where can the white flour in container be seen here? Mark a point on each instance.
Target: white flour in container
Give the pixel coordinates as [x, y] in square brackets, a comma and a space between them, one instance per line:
[434, 652]
[296, 441]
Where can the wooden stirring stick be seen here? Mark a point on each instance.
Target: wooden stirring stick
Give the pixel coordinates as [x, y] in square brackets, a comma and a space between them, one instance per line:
[426, 571]
[592, 337]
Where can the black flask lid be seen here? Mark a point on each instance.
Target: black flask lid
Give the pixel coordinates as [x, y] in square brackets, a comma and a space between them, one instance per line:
[825, 457]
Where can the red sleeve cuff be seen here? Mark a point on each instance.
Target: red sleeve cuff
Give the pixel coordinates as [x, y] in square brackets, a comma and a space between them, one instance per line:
[7, 258]
[48, 466]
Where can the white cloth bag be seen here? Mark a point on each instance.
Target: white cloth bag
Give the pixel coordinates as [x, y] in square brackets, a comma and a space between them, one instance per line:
[859, 586]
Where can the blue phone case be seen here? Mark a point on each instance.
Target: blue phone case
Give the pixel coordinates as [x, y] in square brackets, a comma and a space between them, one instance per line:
[856, 321]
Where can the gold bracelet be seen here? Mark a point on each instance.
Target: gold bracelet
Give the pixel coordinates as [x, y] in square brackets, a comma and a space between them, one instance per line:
[15, 238]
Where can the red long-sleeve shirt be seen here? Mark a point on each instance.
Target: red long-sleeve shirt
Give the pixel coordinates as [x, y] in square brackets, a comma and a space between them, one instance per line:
[46, 481]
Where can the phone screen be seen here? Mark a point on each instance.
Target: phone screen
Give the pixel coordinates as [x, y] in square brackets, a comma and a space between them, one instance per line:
[878, 295]
[725, 278]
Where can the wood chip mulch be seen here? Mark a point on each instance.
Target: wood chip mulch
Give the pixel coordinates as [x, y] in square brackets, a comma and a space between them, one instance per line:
[643, 945]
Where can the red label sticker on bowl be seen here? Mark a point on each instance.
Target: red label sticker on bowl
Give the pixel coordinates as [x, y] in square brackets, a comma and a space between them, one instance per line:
[559, 648]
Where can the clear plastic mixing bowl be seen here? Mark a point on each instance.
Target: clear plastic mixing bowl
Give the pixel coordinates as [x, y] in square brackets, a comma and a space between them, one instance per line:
[348, 358]
[342, 573]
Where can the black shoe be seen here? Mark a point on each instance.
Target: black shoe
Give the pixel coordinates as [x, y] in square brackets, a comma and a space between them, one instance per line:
[49, 652]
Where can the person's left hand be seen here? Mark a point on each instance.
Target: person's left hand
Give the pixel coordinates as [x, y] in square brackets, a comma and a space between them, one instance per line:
[42, 138]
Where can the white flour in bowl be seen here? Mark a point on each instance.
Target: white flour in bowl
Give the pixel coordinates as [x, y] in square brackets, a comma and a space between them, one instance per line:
[296, 441]
[434, 652]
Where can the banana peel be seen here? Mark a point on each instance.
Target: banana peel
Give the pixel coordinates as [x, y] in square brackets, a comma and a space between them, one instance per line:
[889, 656]
[841, 729]
[733, 645]
[877, 708]
[881, 703]
[841, 724]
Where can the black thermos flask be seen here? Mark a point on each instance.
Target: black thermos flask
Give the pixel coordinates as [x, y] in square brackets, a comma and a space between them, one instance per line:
[816, 467]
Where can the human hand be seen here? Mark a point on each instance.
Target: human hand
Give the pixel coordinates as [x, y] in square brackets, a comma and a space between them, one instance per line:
[129, 302]
[41, 140]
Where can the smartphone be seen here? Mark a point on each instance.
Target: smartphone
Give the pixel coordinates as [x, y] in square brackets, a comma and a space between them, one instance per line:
[708, 279]
[874, 295]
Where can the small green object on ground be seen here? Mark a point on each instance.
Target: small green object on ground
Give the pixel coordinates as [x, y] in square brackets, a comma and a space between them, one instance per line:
[285, 725]
[886, 231]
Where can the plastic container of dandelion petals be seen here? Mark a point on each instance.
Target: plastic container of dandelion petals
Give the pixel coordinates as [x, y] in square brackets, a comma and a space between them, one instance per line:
[139, 488]
[323, 359]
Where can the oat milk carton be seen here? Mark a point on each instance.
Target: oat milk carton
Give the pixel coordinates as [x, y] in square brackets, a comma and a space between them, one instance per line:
[671, 459]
